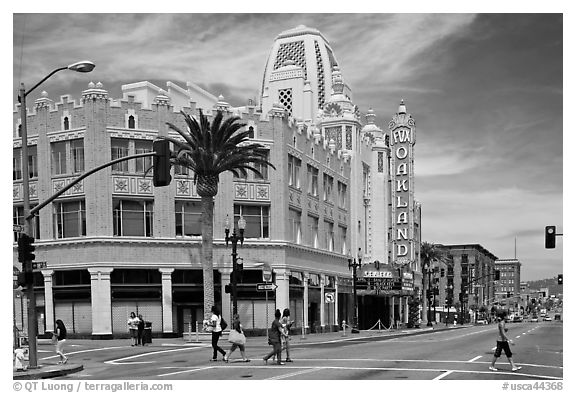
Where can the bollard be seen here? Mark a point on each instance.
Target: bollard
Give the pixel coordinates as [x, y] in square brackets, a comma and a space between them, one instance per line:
[344, 327]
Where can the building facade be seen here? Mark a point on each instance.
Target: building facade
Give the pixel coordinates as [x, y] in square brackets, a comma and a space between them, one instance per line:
[508, 288]
[114, 243]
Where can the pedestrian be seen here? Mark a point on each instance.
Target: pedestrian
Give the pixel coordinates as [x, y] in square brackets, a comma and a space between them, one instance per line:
[133, 328]
[237, 340]
[286, 325]
[60, 335]
[140, 330]
[216, 329]
[503, 344]
[274, 339]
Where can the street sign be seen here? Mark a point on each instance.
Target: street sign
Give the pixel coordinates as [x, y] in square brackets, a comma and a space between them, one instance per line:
[266, 286]
[39, 265]
[18, 228]
[328, 297]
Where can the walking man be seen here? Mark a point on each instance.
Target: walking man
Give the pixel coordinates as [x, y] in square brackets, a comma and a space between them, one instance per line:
[503, 344]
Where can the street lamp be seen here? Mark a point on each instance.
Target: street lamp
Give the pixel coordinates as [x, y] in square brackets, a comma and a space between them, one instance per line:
[355, 263]
[429, 293]
[235, 268]
[81, 66]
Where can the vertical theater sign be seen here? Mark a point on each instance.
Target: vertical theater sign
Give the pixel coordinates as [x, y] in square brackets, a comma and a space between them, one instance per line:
[402, 139]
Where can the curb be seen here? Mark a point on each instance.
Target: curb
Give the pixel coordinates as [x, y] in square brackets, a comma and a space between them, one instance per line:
[40, 373]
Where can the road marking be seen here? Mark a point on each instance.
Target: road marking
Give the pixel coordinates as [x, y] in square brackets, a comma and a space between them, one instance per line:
[443, 375]
[186, 371]
[476, 358]
[121, 360]
[293, 374]
[83, 351]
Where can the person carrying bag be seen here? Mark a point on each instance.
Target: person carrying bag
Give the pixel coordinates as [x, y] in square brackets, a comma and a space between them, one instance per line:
[237, 338]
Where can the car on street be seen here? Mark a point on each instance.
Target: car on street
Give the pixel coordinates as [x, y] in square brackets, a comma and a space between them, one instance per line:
[481, 321]
[547, 318]
[534, 318]
[517, 318]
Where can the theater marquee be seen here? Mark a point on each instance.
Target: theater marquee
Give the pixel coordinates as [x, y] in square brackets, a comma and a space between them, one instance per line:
[402, 139]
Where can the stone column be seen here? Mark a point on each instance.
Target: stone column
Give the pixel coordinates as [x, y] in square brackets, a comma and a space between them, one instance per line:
[226, 297]
[167, 300]
[392, 310]
[101, 301]
[406, 309]
[48, 299]
[336, 322]
[305, 308]
[283, 290]
[322, 302]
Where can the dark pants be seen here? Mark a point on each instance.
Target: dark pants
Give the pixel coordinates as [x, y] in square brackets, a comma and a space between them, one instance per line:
[502, 345]
[276, 350]
[215, 347]
[140, 335]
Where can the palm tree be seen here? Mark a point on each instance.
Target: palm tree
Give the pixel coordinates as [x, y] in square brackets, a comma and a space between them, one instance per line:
[209, 150]
[430, 253]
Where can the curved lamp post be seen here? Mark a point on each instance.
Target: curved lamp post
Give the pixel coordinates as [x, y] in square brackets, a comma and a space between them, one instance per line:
[235, 270]
[355, 263]
[81, 66]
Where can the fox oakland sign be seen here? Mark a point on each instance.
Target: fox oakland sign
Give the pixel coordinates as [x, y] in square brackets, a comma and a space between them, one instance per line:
[402, 139]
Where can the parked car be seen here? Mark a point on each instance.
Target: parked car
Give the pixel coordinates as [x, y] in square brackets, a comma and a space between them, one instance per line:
[517, 318]
[481, 321]
[534, 318]
[547, 318]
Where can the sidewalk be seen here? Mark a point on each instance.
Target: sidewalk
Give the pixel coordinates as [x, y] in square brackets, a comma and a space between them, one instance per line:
[54, 370]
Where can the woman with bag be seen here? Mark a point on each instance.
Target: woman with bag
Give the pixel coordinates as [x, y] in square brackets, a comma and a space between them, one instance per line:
[237, 338]
[286, 325]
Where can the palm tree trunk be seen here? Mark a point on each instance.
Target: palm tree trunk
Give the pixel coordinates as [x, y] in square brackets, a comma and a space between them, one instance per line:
[207, 258]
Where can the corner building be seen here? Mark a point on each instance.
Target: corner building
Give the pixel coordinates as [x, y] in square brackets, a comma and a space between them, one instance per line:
[114, 243]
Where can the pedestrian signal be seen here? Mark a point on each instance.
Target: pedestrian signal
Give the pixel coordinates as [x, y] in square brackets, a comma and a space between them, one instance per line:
[26, 248]
[560, 279]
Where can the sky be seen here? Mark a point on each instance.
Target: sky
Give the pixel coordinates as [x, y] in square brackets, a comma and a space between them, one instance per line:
[486, 92]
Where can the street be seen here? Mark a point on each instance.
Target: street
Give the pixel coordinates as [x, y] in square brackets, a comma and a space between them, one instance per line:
[451, 354]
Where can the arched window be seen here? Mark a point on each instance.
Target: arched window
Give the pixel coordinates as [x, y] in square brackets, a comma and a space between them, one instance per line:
[19, 130]
[251, 130]
[66, 123]
[131, 122]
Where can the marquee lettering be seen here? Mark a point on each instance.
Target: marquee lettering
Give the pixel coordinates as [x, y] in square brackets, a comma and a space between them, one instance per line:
[401, 185]
[402, 170]
[399, 202]
[402, 250]
[401, 152]
[402, 218]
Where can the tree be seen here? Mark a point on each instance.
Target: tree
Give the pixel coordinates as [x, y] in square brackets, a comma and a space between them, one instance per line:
[210, 149]
[430, 254]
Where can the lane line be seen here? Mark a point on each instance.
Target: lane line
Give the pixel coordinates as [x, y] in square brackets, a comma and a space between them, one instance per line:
[186, 371]
[476, 358]
[443, 375]
[294, 374]
[83, 351]
[121, 361]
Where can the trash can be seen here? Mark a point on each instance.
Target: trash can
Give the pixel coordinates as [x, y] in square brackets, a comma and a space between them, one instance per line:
[147, 335]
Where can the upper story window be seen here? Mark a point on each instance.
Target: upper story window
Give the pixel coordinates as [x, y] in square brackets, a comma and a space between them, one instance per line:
[66, 123]
[312, 180]
[131, 122]
[342, 239]
[251, 132]
[262, 167]
[329, 233]
[18, 219]
[119, 150]
[312, 238]
[143, 164]
[257, 220]
[295, 220]
[188, 218]
[341, 195]
[132, 217]
[294, 165]
[17, 163]
[59, 160]
[69, 219]
[327, 188]
[77, 150]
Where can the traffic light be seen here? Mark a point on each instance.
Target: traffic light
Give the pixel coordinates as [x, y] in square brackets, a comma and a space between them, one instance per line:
[161, 176]
[497, 275]
[24, 279]
[442, 272]
[26, 248]
[550, 239]
[560, 279]
[461, 297]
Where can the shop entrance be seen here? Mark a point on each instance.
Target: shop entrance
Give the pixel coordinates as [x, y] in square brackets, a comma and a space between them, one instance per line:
[187, 317]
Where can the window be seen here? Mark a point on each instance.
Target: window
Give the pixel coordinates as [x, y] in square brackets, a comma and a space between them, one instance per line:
[341, 195]
[262, 167]
[132, 217]
[295, 217]
[343, 246]
[188, 218]
[143, 163]
[313, 231]
[251, 132]
[312, 181]
[77, 150]
[16, 164]
[131, 122]
[294, 165]
[32, 162]
[18, 219]
[119, 150]
[69, 219]
[329, 240]
[327, 188]
[66, 123]
[257, 220]
[181, 170]
[59, 158]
